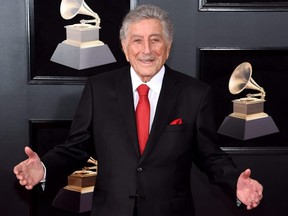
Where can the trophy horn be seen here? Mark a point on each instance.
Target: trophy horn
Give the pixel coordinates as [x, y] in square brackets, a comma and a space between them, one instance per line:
[241, 79]
[70, 8]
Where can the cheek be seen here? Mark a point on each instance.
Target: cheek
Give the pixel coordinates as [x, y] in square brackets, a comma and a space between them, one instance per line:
[161, 51]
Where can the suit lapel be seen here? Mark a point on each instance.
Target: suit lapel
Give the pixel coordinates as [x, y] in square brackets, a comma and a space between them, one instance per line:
[166, 103]
[123, 88]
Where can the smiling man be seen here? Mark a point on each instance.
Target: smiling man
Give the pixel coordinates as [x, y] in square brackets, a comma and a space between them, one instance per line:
[153, 178]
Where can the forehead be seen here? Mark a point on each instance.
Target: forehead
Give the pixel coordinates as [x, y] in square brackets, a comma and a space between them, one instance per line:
[145, 27]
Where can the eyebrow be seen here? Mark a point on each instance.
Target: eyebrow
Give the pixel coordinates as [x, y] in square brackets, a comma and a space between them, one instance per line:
[152, 35]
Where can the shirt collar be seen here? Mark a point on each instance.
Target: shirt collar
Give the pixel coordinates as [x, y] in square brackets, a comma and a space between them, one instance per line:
[154, 84]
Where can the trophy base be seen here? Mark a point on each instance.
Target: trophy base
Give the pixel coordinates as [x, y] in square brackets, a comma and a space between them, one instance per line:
[82, 58]
[73, 200]
[243, 129]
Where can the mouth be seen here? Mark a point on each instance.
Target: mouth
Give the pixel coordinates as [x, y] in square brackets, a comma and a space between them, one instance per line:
[147, 60]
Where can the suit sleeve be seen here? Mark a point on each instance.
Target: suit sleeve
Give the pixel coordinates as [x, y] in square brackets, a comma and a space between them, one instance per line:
[78, 147]
[217, 164]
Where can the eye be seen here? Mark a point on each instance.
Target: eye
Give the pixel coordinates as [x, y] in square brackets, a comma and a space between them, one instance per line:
[155, 40]
[136, 40]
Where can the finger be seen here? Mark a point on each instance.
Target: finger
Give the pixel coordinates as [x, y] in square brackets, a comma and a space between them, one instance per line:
[259, 189]
[17, 169]
[258, 197]
[26, 183]
[19, 177]
[20, 168]
[29, 187]
[256, 200]
[255, 204]
[23, 182]
[250, 206]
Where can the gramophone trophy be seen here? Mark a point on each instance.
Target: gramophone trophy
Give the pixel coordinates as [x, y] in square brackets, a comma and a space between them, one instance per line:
[82, 48]
[248, 119]
[83, 180]
[77, 195]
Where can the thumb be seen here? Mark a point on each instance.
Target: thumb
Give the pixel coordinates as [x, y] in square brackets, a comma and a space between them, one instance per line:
[29, 152]
[246, 174]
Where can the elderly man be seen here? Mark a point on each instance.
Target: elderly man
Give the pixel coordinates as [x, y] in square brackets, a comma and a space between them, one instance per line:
[145, 150]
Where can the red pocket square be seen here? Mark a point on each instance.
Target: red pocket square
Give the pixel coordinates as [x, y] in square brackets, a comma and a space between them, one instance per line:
[176, 121]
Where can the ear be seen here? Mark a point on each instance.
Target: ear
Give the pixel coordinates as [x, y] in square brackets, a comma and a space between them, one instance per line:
[124, 49]
[168, 49]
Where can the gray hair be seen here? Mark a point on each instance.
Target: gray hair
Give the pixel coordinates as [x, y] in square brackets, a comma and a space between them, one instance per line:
[143, 12]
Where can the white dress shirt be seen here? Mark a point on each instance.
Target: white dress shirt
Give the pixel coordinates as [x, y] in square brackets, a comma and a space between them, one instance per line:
[154, 84]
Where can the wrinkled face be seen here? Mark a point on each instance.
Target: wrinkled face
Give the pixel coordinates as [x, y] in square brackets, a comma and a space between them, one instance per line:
[146, 48]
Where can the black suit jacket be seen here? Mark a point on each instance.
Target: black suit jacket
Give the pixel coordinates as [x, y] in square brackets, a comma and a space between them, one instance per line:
[159, 179]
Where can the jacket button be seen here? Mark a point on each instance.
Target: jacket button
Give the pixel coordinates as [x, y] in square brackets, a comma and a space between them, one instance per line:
[139, 169]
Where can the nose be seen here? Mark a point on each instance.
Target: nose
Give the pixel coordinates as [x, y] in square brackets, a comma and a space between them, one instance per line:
[146, 47]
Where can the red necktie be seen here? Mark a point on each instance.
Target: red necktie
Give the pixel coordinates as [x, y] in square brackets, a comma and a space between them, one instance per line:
[143, 116]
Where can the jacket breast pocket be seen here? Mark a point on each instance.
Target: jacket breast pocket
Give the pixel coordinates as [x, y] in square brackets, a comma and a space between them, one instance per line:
[178, 128]
[177, 139]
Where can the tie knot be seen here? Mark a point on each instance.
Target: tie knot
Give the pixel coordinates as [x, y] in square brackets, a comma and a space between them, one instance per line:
[143, 90]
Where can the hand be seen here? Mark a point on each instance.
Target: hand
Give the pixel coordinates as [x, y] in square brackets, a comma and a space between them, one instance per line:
[29, 172]
[249, 191]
